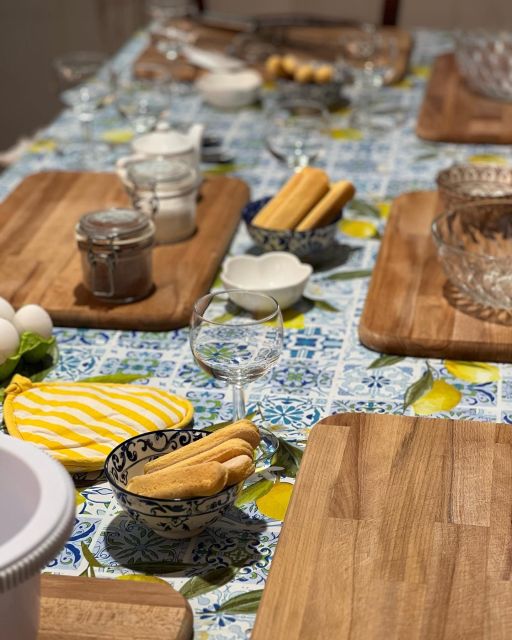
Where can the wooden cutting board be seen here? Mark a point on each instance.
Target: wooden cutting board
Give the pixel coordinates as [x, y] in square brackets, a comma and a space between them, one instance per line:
[96, 609]
[306, 43]
[398, 528]
[451, 112]
[412, 310]
[41, 262]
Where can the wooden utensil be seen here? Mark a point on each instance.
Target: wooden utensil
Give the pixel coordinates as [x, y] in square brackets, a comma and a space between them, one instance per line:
[75, 608]
[451, 112]
[398, 527]
[411, 309]
[41, 263]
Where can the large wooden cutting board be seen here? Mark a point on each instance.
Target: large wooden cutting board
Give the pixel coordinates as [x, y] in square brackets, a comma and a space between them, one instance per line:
[306, 43]
[398, 528]
[412, 310]
[453, 113]
[93, 609]
[41, 262]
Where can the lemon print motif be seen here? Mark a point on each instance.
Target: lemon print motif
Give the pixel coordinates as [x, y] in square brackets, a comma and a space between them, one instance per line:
[487, 158]
[478, 372]
[275, 503]
[358, 228]
[137, 577]
[441, 397]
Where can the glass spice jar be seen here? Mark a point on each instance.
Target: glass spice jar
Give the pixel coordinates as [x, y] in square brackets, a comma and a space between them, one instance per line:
[165, 190]
[116, 252]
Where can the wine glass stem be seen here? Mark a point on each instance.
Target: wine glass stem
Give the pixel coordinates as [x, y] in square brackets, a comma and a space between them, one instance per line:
[238, 403]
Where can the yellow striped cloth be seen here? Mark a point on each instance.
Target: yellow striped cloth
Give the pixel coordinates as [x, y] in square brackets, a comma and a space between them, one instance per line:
[80, 423]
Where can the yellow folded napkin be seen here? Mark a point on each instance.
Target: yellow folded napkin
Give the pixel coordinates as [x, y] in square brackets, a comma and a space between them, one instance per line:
[80, 423]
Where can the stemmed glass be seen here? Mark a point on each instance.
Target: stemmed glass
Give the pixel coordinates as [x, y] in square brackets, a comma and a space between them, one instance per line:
[237, 336]
[83, 91]
[295, 132]
[368, 56]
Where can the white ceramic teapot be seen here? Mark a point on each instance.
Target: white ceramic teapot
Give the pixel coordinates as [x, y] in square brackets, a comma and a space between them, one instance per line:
[170, 144]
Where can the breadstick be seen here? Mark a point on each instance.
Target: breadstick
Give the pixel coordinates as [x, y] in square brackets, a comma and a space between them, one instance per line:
[225, 451]
[311, 188]
[238, 469]
[329, 206]
[260, 220]
[205, 479]
[243, 429]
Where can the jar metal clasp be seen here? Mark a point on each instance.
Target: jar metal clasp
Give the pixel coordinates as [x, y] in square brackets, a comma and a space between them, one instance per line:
[107, 258]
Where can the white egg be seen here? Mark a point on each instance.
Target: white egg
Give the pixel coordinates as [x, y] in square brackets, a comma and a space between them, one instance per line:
[9, 340]
[6, 310]
[33, 318]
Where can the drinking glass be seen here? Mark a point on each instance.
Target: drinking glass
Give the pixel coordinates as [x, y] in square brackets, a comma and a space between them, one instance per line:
[169, 26]
[296, 132]
[237, 336]
[143, 104]
[83, 91]
[368, 56]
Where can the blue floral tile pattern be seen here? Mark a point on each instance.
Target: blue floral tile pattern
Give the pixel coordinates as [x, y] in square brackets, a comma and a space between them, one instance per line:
[324, 369]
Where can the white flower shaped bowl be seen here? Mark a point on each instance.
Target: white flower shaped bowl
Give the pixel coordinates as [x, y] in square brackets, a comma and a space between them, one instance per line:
[278, 274]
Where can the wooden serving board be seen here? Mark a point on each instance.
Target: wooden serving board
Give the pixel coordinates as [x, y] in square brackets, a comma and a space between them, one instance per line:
[41, 262]
[306, 43]
[412, 310]
[93, 609]
[451, 112]
[398, 527]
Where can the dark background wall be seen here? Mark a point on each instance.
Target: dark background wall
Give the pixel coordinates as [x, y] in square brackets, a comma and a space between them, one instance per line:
[33, 33]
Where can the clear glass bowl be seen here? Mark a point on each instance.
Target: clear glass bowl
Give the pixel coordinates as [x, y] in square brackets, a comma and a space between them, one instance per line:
[474, 244]
[465, 183]
[484, 59]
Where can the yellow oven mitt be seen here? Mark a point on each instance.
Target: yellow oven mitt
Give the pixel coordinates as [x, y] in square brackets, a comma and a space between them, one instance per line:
[80, 423]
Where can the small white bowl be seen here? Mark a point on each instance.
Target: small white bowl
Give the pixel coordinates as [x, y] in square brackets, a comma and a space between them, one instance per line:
[230, 90]
[278, 274]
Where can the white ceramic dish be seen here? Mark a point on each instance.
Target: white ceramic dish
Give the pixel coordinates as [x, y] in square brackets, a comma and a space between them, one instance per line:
[230, 90]
[278, 274]
[37, 503]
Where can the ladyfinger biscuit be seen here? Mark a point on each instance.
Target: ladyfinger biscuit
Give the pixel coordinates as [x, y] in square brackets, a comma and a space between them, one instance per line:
[204, 479]
[243, 429]
[329, 206]
[324, 73]
[310, 190]
[238, 469]
[222, 452]
[260, 220]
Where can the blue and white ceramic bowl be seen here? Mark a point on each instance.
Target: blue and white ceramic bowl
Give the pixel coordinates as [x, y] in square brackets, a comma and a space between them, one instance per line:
[170, 518]
[303, 244]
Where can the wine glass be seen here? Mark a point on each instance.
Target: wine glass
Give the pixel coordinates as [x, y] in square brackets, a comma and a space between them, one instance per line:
[295, 132]
[368, 56]
[143, 103]
[237, 336]
[83, 91]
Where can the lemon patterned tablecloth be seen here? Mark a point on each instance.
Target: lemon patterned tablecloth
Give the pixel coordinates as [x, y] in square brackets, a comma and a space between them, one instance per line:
[324, 368]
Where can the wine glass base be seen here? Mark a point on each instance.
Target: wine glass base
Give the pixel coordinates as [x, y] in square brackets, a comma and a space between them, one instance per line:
[266, 449]
[89, 155]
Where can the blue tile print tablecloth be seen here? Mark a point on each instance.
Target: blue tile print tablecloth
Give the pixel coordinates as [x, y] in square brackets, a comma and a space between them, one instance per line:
[324, 368]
